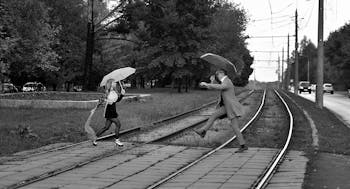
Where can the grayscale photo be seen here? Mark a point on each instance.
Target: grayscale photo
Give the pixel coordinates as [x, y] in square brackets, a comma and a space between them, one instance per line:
[174, 94]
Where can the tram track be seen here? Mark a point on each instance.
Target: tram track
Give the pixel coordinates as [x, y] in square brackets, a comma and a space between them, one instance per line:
[108, 154]
[267, 174]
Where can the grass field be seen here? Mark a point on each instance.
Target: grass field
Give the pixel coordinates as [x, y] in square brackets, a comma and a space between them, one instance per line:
[66, 125]
[76, 96]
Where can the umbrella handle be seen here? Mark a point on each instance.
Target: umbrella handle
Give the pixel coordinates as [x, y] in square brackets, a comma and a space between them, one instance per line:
[121, 87]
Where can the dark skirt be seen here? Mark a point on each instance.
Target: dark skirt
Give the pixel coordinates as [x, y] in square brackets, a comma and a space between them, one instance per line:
[111, 111]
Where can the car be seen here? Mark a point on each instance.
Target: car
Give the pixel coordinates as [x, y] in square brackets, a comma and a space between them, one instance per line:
[328, 88]
[313, 87]
[126, 84]
[304, 86]
[9, 88]
[78, 88]
[33, 87]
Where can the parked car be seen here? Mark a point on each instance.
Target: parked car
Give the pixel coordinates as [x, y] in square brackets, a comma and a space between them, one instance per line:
[77, 88]
[328, 88]
[304, 86]
[313, 87]
[33, 87]
[127, 84]
[9, 88]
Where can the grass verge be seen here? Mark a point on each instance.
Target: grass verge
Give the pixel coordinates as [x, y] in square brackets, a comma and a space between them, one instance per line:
[66, 125]
[329, 166]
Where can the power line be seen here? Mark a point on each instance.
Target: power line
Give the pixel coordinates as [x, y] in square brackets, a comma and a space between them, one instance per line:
[283, 9]
[284, 25]
[265, 60]
[308, 20]
[267, 36]
[266, 51]
[271, 19]
[265, 19]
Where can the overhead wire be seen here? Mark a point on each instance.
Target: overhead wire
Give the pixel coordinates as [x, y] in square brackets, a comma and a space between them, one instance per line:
[271, 19]
[283, 9]
[311, 12]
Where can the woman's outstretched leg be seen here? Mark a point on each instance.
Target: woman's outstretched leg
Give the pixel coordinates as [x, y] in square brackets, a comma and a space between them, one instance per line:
[117, 129]
[108, 124]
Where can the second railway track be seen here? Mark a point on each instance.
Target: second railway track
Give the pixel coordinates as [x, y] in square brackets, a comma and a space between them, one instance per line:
[63, 169]
[148, 165]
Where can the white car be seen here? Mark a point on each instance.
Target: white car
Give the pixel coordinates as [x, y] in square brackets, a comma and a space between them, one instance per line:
[328, 88]
[33, 86]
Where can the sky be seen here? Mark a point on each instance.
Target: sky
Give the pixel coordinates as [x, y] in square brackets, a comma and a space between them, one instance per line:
[336, 14]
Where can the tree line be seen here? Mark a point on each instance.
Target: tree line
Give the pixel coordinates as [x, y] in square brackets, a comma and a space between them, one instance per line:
[337, 59]
[45, 40]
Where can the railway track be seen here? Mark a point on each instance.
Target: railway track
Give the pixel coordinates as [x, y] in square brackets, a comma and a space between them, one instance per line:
[127, 132]
[262, 181]
[108, 154]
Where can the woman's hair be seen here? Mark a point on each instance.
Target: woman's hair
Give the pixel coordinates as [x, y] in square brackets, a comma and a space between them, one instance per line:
[110, 84]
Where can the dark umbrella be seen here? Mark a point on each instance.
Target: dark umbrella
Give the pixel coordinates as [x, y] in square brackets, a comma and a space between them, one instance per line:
[222, 63]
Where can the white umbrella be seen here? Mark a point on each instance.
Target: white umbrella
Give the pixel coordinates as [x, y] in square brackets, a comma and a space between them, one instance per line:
[118, 75]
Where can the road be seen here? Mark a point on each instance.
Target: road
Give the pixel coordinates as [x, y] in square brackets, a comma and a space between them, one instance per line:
[338, 103]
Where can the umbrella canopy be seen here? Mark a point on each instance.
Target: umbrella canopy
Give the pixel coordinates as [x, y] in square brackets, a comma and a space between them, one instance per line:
[118, 75]
[222, 63]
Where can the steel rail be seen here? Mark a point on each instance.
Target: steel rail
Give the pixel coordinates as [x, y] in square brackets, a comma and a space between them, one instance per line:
[268, 174]
[93, 159]
[122, 133]
[164, 180]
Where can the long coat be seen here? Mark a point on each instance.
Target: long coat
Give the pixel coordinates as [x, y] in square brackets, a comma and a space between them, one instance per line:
[227, 95]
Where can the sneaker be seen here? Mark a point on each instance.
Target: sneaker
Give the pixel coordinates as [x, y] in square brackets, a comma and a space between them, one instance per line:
[94, 143]
[241, 149]
[118, 143]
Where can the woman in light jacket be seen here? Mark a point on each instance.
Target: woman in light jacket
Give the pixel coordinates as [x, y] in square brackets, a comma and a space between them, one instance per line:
[113, 94]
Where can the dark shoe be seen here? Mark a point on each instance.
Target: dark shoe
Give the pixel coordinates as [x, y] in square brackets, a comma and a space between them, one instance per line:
[201, 133]
[241, 149]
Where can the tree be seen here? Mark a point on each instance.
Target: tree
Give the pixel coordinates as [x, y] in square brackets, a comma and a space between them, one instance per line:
[171, 36]
[32, 37]
[337, 52]
[8, 39]
[69, 16]
[227, 27]
[307, 55]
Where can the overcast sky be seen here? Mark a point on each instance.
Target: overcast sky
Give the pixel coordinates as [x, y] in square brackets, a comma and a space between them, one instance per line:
[259, 11]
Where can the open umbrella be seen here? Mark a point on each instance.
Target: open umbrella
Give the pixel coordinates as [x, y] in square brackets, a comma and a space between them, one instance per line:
[118, 75]
[222, 63]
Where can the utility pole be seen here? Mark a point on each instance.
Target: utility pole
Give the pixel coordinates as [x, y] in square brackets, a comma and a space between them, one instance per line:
[296, 66]
[320, 57]
[308, 69]
[282, 79]
[89, 48]
[278, 70]
[288, 67]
